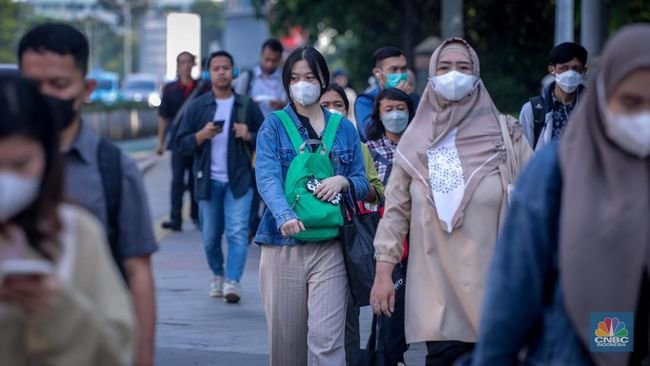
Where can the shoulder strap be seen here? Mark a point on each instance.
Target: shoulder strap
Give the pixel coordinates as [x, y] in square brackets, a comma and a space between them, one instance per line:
[330, 131]
[109, 159]
[241, 113]
[539, 116]
[291, 129]
[389, 166]
[186, 102]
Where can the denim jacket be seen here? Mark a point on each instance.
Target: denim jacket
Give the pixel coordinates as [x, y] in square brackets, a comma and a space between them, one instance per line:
[523, 306]
[274, 155]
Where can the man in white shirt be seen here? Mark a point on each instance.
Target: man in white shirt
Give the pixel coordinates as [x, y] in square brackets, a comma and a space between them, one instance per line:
[219, 130]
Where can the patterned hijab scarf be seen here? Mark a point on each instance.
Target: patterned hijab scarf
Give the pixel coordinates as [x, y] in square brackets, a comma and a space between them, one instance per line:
[605, 214]
[450, 146]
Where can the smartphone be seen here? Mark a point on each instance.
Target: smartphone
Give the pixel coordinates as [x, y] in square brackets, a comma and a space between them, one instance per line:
[218, 123]
[25, 267]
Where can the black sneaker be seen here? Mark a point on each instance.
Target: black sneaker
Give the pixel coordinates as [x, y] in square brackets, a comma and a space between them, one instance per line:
[171, 226]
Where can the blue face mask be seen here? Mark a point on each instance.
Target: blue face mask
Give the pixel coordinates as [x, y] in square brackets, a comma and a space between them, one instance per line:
[395, 121]
[393, 80]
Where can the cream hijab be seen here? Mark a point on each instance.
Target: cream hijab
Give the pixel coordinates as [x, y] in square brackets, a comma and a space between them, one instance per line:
[450, 146]
[605, 214]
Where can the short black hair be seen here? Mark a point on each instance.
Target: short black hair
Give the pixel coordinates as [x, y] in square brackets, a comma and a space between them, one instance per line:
[178, 58]
[273, 44]
[220, 54]
[339, 90]
[376, 128]
[565, 52]
[59, 38]
[384, 53]
[316, 63]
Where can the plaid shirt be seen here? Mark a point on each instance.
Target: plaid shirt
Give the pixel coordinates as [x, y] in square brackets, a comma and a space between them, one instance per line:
[386, 148]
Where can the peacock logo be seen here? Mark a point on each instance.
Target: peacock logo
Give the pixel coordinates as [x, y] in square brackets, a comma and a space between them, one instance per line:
[611, 327]
[612, 332]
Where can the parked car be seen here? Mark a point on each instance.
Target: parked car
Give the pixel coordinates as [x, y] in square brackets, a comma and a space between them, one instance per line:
[8, 69]
[141, 88]
[107, 90]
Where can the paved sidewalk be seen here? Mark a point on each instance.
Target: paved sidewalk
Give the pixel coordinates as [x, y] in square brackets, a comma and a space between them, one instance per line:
[193, 328]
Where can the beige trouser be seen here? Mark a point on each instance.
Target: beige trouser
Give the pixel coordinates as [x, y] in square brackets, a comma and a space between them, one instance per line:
[304, 292]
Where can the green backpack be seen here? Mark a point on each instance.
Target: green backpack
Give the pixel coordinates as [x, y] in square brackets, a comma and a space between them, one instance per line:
[321, 219]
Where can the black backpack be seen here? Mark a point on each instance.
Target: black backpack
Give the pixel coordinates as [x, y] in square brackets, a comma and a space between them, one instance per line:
[539, 117]
[109, 159]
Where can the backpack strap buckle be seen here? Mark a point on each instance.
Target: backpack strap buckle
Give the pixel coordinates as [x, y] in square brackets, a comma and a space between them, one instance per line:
[322, 148]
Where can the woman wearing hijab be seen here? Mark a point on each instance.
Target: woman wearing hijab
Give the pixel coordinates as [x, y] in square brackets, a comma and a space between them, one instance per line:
[448, 190]
[569, 281]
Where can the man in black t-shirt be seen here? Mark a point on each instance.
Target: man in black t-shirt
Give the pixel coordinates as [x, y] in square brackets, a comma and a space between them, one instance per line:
[174, 96]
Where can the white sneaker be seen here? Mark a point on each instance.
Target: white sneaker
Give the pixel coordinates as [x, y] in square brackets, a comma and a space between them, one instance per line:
[231, 292]
[216, 286]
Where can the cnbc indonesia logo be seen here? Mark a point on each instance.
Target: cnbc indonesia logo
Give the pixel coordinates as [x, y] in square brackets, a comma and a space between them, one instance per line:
[612, 333]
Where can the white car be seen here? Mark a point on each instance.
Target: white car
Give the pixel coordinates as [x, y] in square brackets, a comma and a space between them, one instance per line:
[141, 88]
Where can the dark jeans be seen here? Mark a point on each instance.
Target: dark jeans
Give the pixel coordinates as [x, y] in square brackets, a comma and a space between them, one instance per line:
[352, 337]
[445, 353]
[255, 218]
[182, 179]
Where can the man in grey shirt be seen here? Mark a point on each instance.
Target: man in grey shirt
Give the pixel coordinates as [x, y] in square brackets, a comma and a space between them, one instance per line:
[56, 56]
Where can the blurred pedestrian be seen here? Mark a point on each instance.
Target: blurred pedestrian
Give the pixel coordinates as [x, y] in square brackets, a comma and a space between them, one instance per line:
[391, 115]
[576, 240]
[335, 101]
[340, 78]
[448, 190]
[544, 117]
[98, 176]
[264, 86]
[174, 99]
[219, 129]
[390, 71]
[62, 301]
[304, 283]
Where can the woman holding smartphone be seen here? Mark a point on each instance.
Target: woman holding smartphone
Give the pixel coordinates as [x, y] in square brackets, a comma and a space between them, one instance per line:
[61, 298]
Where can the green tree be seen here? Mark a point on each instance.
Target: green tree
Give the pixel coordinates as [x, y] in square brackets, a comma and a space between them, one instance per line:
[8, 31]
[512, 37]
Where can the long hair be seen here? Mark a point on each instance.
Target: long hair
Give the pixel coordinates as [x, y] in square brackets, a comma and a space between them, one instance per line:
[26, 113]
[376, 128]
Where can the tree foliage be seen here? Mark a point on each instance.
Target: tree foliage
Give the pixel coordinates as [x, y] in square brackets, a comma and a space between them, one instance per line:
[512, 37]
[8, 31]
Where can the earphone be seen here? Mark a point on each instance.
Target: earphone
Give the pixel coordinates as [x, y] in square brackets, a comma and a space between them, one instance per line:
[235, 69]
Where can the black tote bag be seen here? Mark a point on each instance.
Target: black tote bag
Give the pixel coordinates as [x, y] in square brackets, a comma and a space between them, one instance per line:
[357, 235]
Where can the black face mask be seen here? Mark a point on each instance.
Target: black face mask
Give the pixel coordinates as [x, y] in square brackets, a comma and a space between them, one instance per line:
[63, 111]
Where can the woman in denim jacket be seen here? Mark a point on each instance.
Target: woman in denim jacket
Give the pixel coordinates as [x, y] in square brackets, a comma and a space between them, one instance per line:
[303, 284]
[569, 282]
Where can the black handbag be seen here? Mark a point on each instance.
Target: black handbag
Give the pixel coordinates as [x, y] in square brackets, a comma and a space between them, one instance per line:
[357, 235]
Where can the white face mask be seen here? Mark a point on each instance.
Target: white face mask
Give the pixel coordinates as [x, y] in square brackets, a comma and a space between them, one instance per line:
[630, 132]
[335, 111]
[305, 93]
[454, 85]
[395, 121]
[16, 193]
[568, 81]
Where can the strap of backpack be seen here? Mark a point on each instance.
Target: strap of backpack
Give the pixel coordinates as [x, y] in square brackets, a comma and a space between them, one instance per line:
[539, 116]
[241, 117]
[290, 127]
[389, 166]
[330, 132]
[109, 158]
